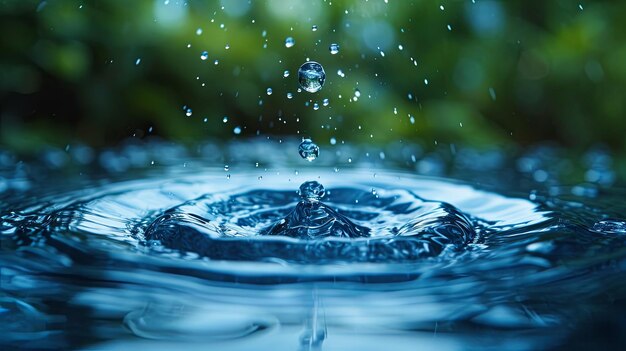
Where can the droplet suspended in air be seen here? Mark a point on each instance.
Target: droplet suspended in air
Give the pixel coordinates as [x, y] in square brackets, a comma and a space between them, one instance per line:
[204, 55]
[289, 42]
[286, 74]
[289, 95]
[325, 102]
[312, 191]
[334, 48]
[188, 112]
[237, 130]
[308, 150]
[311, 76]
[314, 28]
[269, 91]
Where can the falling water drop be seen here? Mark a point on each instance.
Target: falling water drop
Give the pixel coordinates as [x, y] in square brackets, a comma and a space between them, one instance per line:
[311, 76]
[269, 91]
[334, 48]
[237, 130]
[204, 55]
[188, 112]
[314, 28]
[325, 102]
[308, 150]
[286, 74]
[289, 42]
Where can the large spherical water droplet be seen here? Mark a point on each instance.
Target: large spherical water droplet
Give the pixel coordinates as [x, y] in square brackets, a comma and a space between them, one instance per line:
[311, 76]
[334, 48]
[289, 42]
[312, 191]
[308, 150]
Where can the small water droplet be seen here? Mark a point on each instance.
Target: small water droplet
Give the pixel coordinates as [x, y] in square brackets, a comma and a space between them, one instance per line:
[269, 91]
[334, 48]
[137, 62]
[316, 106]
[225, 119]
[333, 141]
[204, 55]
[286, 74]
[237, 130]
[289, 42]
[188, 112]
[325, 102]
[314, 28]
[308, 150]
[199, 31]
[340, 73]
[289, 95]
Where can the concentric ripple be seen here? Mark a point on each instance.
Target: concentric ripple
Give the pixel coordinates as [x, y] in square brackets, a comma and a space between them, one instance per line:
[352, 225]
[246, 263]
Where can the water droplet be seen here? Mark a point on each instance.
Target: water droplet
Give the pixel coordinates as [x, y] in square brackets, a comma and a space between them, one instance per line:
[237, 130]
[311, 76]
[269, 91]
[314, 28]
[289, 95]
[227, 47]
[199, 31]
[204, 55]
[286, 74]
[316, 106]
[188, 112]
[225, 119]
[308, 150]
[289, 42]
[334, 48]
[340, 73]
[216, 62]
[325, 102]
[333, 141]
[226, 168]
[357, 93]
[312, 191]
[137, 62]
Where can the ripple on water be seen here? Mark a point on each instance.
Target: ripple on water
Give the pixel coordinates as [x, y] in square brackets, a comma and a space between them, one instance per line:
[189, 258]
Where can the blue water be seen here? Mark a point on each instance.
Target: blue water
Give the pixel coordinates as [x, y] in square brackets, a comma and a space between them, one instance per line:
[170, 250]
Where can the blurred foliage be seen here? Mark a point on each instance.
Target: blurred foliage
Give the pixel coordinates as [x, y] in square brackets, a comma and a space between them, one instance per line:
[503, 73]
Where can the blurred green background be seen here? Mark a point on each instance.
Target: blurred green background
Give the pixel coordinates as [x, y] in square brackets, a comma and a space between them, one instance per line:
[482, 74]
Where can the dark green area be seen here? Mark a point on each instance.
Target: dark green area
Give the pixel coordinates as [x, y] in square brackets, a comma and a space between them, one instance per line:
[507, 73]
